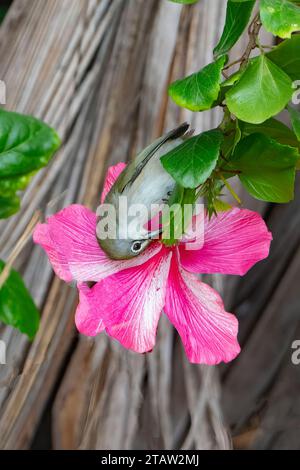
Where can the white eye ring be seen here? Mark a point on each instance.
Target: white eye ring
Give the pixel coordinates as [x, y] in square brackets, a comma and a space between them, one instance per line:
[136, 246]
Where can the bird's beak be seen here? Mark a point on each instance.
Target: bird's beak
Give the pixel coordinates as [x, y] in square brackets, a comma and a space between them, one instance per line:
[154, 234]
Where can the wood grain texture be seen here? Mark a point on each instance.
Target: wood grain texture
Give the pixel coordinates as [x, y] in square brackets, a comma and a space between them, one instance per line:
[268, 309]
[44, 49]
[98, 71]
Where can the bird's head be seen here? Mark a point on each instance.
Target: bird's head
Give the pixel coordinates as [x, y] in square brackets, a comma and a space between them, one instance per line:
[123, 249]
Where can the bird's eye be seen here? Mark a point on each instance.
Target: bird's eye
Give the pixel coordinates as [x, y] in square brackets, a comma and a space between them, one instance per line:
[136, 247]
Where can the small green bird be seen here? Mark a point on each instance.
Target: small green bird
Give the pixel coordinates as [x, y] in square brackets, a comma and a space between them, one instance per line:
[143, 181]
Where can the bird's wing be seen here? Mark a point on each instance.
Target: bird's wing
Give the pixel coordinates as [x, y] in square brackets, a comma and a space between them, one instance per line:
[134, 168]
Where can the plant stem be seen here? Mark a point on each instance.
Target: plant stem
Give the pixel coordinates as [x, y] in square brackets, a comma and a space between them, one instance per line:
[253, 32]
[267, 46]
[234, 172]
[230, 189]
[237, 61]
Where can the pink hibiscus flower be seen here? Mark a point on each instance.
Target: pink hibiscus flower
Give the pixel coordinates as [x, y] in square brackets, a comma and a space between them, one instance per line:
[129, 295]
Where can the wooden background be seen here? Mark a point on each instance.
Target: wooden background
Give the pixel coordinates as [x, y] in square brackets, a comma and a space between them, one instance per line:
[97, 70]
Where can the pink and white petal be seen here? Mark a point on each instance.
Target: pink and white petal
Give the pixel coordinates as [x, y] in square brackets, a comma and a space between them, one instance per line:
[69, 239]
[112, 174]
[130, 303]
[234, 241]
[86, 319]
[208, 332]
[57, 258]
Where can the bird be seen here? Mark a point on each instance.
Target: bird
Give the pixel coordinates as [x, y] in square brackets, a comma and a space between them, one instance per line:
[145, 182]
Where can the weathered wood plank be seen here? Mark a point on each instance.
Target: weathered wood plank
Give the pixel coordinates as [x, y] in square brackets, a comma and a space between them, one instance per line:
[268, 347]
[41, 50]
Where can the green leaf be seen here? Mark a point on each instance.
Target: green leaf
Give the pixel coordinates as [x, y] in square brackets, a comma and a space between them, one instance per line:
[232, 79]
[3, 11]
[177, 223]
[221, 206]
[9, 205]
[274, 129]
[232, 136]
[16, 305]
[237, 18]
[267, 168]
[200, 90]
[26, 144]
[262, 91]
[192, 162]
[280, 17]
[295, 120]
[287, 56]
[9, 186]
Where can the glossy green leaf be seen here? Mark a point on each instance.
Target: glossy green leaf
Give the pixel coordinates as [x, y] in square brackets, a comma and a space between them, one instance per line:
[26, 144]
[237, 18]
[3, 11]
[232, 136]
[192, 162]
[267, 168]
[177, 224]
[9, 205]
[16, 305]
[295, 120]
[232, 79]
[9, 186]
[274, 129]
[262, 91]
[280, 17]
[221, 206]
[200, 90]
[287, 56]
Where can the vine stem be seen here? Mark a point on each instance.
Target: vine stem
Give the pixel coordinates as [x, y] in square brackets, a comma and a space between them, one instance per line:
[267, 46]
[230, 189]
[237, 61]
[253, 32]
[235, 172]
[19, 247]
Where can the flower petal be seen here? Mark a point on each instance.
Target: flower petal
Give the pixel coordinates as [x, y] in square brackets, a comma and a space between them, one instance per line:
[85, 319]
[130, 303]
[208, 332]
[69, 239]
[234, 241]
[112, 174]
[59, 263]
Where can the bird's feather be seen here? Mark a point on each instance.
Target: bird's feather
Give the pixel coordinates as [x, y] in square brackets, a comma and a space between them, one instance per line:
[136, 166]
